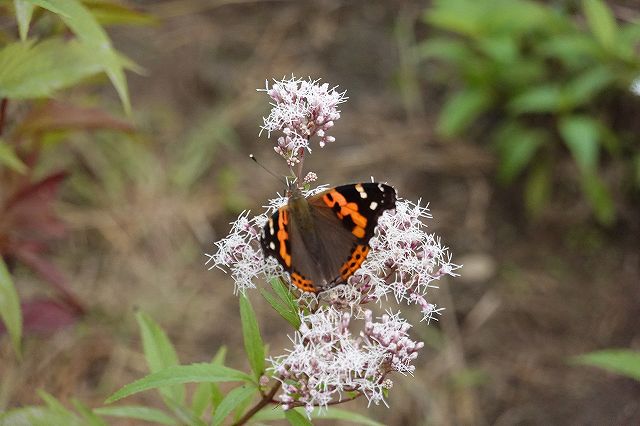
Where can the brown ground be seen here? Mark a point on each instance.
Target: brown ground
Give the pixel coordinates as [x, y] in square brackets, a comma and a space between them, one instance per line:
[530, 295]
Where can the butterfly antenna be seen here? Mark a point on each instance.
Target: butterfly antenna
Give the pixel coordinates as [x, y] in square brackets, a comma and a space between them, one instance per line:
[278, 178]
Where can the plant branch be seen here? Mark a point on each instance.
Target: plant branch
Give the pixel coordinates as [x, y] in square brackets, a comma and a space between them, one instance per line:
[266, 399]
[3, 112]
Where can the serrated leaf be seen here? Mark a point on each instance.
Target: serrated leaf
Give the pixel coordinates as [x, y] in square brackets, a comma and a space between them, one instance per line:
[24, 11]
[282, 309]
[581, 135]
[85, 26]
[9, 158]
[137, 412]
[159, 353]
[33, 70]
[253, 344]
[621, 361]
[462, 109]
[10, 307]
[547, 98]
[180, 374]
[295, 418]
[233, 399]
[601, 22]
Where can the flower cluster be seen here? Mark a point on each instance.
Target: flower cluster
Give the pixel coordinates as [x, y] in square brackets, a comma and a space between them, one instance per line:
[327, 362]
[404, 260]
[301, 109]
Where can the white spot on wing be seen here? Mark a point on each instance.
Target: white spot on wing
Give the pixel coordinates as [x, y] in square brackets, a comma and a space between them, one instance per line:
[373, 205]
[272, 246]
[363, 194]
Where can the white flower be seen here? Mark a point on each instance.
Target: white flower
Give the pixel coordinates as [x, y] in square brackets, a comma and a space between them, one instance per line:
[327, 361]
[301, 109]
[635, 86]
[404, 259]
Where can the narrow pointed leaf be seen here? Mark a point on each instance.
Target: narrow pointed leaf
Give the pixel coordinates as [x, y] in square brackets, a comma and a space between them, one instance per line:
[601, 22]
[85, 26]
[621, 361]
[159, 353]
[252, 340]
[24, 11]
[581, 134]
[233, 399]
[10, 307]
[208, 393]
[281, 308]
[90, 418]
[9, 158]
[137, 412]
[33, 70]
[180, 374]
[295, 418]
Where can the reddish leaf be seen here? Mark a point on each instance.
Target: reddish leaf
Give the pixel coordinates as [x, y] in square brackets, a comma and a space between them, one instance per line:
[51, 274]
[42, 191]
[45, 316]
[55, 115]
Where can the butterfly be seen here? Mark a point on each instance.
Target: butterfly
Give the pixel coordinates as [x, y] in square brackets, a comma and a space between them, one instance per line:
[322, 240]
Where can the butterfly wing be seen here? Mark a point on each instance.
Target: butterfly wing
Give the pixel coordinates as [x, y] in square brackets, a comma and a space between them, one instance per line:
[346, 217]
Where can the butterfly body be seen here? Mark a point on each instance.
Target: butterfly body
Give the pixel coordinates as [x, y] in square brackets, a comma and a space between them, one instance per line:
[323, 240]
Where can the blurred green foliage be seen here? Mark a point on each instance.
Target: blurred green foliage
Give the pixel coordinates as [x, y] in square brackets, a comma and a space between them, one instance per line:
[537, 80]
[52, 46]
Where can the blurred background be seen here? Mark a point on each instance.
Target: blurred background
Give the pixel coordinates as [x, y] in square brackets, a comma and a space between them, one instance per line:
[516, 120]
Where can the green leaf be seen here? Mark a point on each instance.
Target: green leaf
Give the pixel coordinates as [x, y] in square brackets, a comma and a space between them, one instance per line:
[281, 308]
[599, 198]
[295, 418]
[253, 344]
[208, 393]
[547, 98]
[84, 25]
[10, 311]
[180, 374]
[537, 190]
[517, 146]
[9, 158]
[88, 416]
[271, 414]
[601, 22]
[58, 411]
[137, 412]
[233, 399]
[586, 86]
[119, 14]
[581, 135]
[462, 109]
[620, 361]
[159, 353]
[30, 70]
[444, 49]
[24, 11]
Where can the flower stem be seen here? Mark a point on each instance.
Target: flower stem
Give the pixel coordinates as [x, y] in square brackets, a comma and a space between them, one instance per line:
[266, 399]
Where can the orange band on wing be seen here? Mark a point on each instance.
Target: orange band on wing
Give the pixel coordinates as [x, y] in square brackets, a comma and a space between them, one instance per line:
[283, 236]
[302, 283]
[333, 198]
[358, 256]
